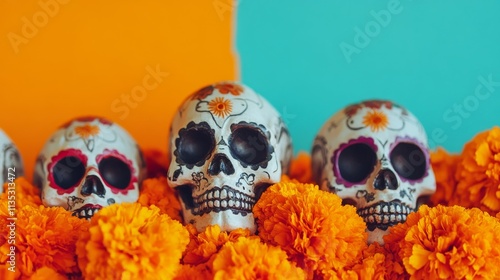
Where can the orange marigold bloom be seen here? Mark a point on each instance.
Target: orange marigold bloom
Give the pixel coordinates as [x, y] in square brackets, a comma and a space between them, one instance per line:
[129, 241]
[377, 263]
[157, 162]
[248, 258]
[220, 107]
[207, 243]
[300, 168]
[25, 193]
[195, 272]
[228, 87]
[45, 273]
[376, 120]
[478, 172]
[311, 225]
[444, 166]
[157, 192]
[447, 243]
[45, 236]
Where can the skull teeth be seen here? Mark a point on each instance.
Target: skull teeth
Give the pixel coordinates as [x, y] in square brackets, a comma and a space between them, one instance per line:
[85, 213]
[385, 214]
[220, 199]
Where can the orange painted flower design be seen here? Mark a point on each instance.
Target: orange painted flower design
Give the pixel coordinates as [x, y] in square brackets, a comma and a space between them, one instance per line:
[226, 88]
[376, 120]
[87, 130]
[220, 107]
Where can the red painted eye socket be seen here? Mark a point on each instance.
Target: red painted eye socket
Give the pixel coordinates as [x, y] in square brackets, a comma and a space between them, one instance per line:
[66, 170]
[116, 170]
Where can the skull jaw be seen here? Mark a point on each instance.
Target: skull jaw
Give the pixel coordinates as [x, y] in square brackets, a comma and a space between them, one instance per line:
[227, 220]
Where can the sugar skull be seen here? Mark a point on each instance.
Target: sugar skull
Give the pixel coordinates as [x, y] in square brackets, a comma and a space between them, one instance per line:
[87, 164]
[374, 155]
[11, 163]
[228, 144]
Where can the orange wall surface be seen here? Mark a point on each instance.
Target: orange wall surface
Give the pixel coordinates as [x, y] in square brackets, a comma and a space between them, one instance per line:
[130, 61]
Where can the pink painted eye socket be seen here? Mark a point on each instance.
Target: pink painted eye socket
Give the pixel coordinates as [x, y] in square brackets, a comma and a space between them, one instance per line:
[409, 161]
[354, 161]
[66, 170]
[115, 172]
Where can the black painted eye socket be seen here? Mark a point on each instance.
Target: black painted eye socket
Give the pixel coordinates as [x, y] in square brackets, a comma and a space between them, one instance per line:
[409, 161]
[249, 145]
[195, 145]
[68, 171]
[356, 162]
[115, 172]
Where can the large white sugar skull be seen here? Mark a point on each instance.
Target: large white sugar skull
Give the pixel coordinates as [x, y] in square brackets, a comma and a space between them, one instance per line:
[227, 146]
[11, 163]
[374, 155]
[87, 164]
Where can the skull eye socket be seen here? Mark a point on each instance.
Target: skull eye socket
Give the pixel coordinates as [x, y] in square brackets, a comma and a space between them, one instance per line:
[409, 161]
[249, 145]
[356, 162]
[195, 145]
[115, 172]
[68, 171]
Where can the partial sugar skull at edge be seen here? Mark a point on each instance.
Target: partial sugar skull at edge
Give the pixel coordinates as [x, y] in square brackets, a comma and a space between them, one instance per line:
[87, 164]
[374, 155]
[11, 163]
[227, 145]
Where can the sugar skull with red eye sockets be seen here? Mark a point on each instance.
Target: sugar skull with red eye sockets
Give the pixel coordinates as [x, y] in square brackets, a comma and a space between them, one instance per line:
[87, 164]
[374, 155]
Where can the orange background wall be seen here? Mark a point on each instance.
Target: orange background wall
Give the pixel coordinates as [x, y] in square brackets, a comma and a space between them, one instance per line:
[62, 59]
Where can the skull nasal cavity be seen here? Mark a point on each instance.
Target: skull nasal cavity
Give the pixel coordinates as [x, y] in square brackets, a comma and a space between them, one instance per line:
[220, 163]
[93, 185]
[386, 179]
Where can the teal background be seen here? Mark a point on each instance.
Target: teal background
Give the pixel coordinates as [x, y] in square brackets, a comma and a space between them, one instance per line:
[428, 57]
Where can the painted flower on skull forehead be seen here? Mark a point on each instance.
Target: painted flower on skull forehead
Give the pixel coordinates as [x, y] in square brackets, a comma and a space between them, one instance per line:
[89, 163]
[228, 144]
[374, 155]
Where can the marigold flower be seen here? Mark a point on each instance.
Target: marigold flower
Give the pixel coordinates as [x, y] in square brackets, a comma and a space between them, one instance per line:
[157, 163]
[300, 168]
[207, 243]
[447, 243]
[195, 272]
[376, 263]
[156, 192]
[45, 273]
[311, 225]
[248, 258]
[478, 172]
[45, 236]
[444, 166]
[24, 193]
[130, 241]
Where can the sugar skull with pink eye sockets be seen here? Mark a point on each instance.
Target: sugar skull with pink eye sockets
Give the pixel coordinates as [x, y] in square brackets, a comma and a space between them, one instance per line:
[87, 164]
[374, 155]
